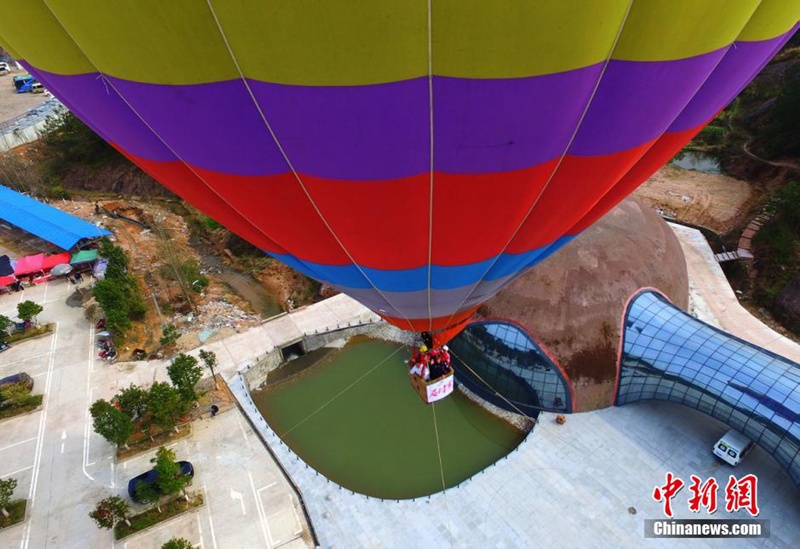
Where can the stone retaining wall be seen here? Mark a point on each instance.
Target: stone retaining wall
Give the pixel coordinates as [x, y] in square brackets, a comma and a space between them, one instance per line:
[256, 375]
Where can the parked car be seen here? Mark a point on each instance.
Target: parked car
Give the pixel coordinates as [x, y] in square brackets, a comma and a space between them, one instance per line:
[150, 478]
[21, 377]
[733, 447]
[4, 346]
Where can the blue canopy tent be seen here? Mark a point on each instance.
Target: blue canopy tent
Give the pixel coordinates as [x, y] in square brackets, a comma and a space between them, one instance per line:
[46, 222]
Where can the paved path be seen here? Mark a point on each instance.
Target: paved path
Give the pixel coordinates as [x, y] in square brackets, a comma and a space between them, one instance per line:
[63, 468]
[565, 486]
[714, 301]
[570, 485]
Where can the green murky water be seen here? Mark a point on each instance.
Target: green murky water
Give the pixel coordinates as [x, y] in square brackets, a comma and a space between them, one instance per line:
[375, 436]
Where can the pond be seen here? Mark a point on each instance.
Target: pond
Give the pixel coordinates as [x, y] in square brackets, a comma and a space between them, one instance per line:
[697, 161]
[355, 418]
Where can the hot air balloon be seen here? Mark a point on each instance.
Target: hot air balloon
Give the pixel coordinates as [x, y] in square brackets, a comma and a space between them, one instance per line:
[417, 156]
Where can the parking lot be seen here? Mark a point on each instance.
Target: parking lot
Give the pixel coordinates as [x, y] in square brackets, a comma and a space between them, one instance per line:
[63, 468]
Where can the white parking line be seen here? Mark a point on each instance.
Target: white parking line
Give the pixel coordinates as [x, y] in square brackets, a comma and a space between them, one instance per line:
[261, 514]
[200, 530]
[244, 433]
[17, 443]
[17, 471]
[89, 388]
[210, 522]
[26, 360]
[37, 459]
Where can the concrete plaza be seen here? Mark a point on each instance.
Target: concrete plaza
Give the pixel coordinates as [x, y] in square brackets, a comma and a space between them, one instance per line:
[587, 483]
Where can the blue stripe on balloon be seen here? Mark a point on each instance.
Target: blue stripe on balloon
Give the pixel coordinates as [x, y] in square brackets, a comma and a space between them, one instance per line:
[413, 280]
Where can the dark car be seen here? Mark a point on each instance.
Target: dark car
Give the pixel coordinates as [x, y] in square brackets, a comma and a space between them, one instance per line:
[21, 377]
[4, 346]
[150, 477]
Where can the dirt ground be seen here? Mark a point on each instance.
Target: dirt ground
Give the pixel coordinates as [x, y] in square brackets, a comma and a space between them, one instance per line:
[12, 103]
[718, 202]
[215, 311]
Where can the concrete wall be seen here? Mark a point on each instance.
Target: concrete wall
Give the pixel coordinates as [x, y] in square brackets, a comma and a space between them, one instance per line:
[256, 375]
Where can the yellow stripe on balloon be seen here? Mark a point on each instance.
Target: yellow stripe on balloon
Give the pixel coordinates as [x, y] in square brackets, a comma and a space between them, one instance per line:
[339, 43]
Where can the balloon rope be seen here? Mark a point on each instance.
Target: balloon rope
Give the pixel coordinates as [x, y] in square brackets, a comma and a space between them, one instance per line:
[438, 445]
[441, 470]
[343, 391]
[297, 177]
[109, 84]
[574, 443]
[477, 375]
[430, 198]
[557, 166]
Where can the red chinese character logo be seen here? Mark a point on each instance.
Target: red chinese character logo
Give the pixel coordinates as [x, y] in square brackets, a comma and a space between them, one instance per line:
[703, 496]
[741, 494]
[667, 492]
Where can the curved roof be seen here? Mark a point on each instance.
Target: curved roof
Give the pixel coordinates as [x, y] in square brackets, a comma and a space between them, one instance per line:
[46, 222]
[670, 355]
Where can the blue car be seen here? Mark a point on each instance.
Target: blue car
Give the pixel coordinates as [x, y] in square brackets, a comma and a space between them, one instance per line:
[150, 478]
[21, 377]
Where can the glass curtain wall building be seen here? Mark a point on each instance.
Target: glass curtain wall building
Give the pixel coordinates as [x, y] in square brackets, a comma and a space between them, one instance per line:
[499, 356]
[670, 355]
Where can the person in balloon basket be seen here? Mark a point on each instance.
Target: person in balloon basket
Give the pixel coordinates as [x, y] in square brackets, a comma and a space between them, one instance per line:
[419, 363]
[445, 354]
[437, 367]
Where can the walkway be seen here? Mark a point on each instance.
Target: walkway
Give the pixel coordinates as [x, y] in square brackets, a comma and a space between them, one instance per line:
[64, 468]
[712, 299]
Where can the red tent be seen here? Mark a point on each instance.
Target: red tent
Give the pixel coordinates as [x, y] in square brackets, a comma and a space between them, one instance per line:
[29, 264]
[51, 261]
[7, 280]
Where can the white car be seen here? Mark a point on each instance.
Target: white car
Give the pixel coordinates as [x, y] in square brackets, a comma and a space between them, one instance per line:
[4, 68]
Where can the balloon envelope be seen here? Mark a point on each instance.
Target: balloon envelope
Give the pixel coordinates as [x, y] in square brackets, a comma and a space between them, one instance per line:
[417, 159]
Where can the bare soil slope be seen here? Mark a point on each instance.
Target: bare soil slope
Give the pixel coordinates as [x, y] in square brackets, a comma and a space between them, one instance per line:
[718, 202]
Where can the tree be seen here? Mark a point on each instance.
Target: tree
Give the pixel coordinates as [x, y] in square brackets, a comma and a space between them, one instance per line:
[27, 310]
[178, 543]
[169, 335]
[170, 479]
[132, 401]
[5, 324]
[110, 423]
[166, 404]
[184, 372]
[210, 360]
[110, 511]
[6, 491]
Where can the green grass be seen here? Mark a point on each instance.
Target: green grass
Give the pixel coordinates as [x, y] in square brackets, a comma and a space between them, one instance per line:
[33, 402]
[29, 333]
[151, 517]
[16, 513]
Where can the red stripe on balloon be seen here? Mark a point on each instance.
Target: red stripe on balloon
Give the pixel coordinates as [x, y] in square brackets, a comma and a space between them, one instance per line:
[474, 216]
[434, 324]
[666, 147]
[184, 182]
[571, 194]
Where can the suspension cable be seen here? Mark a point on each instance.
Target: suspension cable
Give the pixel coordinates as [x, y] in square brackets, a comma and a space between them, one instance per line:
[343, 391]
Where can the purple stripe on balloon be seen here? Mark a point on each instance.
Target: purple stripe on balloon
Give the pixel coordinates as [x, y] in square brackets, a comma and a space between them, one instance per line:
[382, 131]
[637, 101]
[214, 126]
[741, 63]
[96, 102]
[352, 132]
[483, 126]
